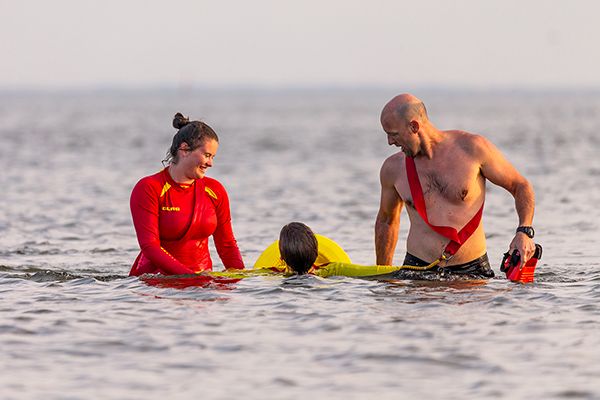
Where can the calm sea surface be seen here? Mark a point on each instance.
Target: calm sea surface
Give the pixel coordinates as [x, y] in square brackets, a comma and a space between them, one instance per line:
[74, 326]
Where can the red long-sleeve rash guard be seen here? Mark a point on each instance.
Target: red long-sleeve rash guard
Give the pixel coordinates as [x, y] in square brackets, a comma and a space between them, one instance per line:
[173, 223]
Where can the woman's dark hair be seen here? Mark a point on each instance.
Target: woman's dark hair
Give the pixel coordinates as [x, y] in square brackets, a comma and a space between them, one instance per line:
[194, 133]
[298, 247]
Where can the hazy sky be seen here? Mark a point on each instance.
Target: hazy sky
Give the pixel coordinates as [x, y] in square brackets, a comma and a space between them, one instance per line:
[474, 43]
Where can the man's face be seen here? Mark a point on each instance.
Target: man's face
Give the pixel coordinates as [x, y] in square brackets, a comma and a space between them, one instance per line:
[399, 134]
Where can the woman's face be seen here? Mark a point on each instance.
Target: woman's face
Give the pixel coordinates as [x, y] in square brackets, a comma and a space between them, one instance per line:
[195, 163]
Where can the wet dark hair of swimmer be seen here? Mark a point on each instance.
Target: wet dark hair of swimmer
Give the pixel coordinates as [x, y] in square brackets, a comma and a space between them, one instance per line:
[298, 247]
[193, 133]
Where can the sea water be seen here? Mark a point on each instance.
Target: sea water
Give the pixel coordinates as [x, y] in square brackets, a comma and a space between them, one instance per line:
[74, 326]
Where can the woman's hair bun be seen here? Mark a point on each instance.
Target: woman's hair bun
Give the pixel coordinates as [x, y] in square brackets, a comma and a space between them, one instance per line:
[179, 121]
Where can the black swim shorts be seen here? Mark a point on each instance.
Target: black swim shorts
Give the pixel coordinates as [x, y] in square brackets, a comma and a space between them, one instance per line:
[476, 269]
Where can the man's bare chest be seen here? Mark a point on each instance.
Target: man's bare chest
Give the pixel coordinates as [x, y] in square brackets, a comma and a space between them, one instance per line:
[454, 185]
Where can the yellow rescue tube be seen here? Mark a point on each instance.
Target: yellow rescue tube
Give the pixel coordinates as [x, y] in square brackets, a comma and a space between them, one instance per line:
[352, 270]
[329, 251]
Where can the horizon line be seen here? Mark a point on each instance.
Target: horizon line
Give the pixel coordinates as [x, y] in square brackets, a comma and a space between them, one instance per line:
[266, 88]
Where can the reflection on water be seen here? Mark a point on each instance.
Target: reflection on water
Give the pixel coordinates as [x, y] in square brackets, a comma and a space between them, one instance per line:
[73, 325]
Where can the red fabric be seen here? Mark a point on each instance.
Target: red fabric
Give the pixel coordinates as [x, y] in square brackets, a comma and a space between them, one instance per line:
[173, 223]
[457, 238]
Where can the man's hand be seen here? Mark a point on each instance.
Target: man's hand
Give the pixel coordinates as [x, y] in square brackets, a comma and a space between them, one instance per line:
[524, 245]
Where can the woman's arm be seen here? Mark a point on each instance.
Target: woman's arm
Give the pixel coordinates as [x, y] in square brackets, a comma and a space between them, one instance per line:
[224, 239]
[144, 211]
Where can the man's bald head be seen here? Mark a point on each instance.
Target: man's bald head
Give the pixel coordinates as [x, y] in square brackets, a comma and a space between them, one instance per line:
[405, 107]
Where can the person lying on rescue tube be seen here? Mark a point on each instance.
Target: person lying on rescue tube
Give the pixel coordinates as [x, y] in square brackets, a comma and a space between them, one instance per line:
[175, 210]
[299, 250]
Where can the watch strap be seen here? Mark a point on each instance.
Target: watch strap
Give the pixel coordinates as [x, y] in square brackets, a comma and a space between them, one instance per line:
[528, 230]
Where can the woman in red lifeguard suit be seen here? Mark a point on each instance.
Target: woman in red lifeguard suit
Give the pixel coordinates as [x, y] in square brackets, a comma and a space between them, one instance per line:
[176, 210]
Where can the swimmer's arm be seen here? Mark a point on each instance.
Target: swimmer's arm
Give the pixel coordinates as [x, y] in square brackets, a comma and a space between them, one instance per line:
[387, 223]
[498, 170]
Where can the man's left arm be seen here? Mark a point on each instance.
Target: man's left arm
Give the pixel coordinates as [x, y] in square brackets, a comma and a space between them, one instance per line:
[498, 170]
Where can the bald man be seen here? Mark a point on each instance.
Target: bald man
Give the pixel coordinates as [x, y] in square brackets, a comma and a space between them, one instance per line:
[451, 168]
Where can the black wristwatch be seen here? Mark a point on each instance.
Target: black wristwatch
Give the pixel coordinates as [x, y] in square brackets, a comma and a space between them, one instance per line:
[528, 230]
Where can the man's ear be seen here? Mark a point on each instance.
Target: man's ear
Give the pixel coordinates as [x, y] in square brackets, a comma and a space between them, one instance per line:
[414, 126]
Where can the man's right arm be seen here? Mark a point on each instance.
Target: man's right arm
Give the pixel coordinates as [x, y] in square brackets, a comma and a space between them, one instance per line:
[387, 223]
[498, 170]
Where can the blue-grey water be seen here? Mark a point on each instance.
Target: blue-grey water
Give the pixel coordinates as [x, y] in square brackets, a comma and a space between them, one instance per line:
[74, 326]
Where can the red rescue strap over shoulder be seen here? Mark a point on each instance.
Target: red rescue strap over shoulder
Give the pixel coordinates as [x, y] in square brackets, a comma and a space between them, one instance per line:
[457, 238]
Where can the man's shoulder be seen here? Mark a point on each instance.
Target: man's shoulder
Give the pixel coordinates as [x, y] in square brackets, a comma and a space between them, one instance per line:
[470, 143]
[393, 163]
[460, 135]
[395, 158]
